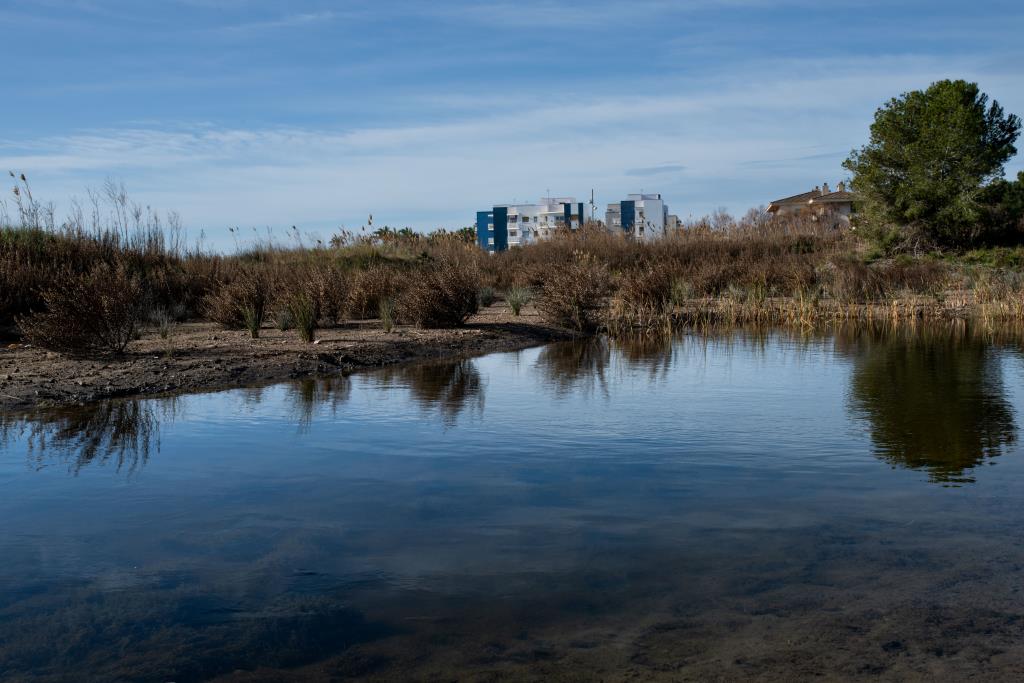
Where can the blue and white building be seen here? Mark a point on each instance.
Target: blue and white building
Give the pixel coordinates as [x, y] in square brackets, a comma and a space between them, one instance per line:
[641, 217]
[515, 225]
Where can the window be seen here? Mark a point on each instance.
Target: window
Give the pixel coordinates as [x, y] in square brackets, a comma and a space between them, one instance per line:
[490, 226]
[526, 219]
[490, 241]
[513, 233]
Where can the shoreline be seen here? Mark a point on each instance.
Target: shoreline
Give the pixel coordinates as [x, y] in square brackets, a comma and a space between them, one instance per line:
[205, 357]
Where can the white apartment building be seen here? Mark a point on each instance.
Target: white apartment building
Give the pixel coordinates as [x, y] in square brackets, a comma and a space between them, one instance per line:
[640, 216]
[514, 225]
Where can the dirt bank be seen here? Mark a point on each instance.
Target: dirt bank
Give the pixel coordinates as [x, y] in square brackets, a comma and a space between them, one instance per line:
[202, 356]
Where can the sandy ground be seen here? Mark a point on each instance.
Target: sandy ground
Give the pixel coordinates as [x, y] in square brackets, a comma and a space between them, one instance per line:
[202, 356]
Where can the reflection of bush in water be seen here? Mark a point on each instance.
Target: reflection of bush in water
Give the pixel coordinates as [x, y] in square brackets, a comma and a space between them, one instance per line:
[653, 352]
[934, 398]
[122, 432]
[307, 394]
[583, 362]
[448, 386]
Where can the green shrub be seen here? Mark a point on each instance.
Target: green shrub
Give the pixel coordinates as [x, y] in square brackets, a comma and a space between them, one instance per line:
[387, 314]
[517, 297]
[302, 306]
[486, 296]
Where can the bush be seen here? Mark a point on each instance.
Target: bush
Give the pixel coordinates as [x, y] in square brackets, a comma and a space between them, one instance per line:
[387, 314]
[486, 296]
[443, 293]
[368, 288]
[242, 303]
[302, 306]
[100, 310]
[517, 297]
[329, 286]
[283, 319]
[573, 296]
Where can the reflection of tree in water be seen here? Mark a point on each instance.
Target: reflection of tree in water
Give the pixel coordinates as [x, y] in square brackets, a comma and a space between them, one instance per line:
[307, 394]
[449, 387]
[934, 399]
[118, 432]
[575, 364]
[653, 352]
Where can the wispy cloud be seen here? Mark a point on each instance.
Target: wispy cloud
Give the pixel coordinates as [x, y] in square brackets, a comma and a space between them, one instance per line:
[655, 170]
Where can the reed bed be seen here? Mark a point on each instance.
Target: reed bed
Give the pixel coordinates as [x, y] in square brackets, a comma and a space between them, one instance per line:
[793, 272]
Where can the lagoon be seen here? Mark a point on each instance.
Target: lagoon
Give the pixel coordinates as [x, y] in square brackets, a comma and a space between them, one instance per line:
[750, 504]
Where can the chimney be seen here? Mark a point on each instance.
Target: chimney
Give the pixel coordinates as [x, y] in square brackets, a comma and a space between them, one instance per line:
[824, 189]
[842, 187]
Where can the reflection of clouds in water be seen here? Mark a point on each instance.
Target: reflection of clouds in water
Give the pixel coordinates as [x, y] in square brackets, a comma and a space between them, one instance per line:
[934, 399]
[122, 432]
[448, 387]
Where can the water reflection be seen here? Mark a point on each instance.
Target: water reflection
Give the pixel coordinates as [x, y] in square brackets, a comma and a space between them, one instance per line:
[576, 365]
[449, 387]
[934, 398]
[651, 352]
[122, 433]
[308, 396]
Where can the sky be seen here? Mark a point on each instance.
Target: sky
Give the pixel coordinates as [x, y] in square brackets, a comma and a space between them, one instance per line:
[257, 114]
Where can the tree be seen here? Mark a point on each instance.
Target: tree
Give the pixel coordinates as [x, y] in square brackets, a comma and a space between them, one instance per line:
[930, 159]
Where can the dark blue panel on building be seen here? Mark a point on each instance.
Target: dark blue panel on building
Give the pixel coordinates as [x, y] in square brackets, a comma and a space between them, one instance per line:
[500, 228]
[628, 209]
[483, 219]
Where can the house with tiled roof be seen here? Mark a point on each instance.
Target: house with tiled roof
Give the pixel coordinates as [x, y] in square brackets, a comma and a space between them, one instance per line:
[817, 202]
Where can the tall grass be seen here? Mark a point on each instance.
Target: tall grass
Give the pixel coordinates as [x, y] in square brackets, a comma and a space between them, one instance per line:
[762, 270]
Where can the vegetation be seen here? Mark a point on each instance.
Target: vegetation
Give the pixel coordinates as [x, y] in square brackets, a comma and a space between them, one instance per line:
[99, 310]
[937, 237]
[517, 297]
[931, 173]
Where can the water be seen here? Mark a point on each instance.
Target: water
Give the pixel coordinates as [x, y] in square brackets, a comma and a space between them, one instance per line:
[747, 505]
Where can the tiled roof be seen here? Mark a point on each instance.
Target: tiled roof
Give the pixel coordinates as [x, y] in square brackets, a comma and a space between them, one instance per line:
[835, 197]
[799, 198]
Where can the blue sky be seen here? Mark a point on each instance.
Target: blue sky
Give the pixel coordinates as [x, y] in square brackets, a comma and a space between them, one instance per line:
[254, 113]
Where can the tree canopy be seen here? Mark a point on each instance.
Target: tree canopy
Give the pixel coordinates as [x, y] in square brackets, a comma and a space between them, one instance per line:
[934, 164]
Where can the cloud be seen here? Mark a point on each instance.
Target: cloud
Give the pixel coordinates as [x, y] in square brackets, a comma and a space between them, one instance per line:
[655, 170]
[785, 116]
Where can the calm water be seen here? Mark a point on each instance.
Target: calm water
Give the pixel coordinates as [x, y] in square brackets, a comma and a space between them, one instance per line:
[766, 506]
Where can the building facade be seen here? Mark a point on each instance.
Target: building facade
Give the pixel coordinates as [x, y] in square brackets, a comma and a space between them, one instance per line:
[817, 203]
[640, 216]
[514, 225]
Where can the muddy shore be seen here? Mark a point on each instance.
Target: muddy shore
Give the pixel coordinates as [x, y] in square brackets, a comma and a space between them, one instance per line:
[203, 356]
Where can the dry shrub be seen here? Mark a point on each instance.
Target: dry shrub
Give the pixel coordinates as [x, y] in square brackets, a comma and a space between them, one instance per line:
[98, 311]
[370, 287]
[242, 303]
[443, 293]
[644, 297]
[573, 295]
[329, 286]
